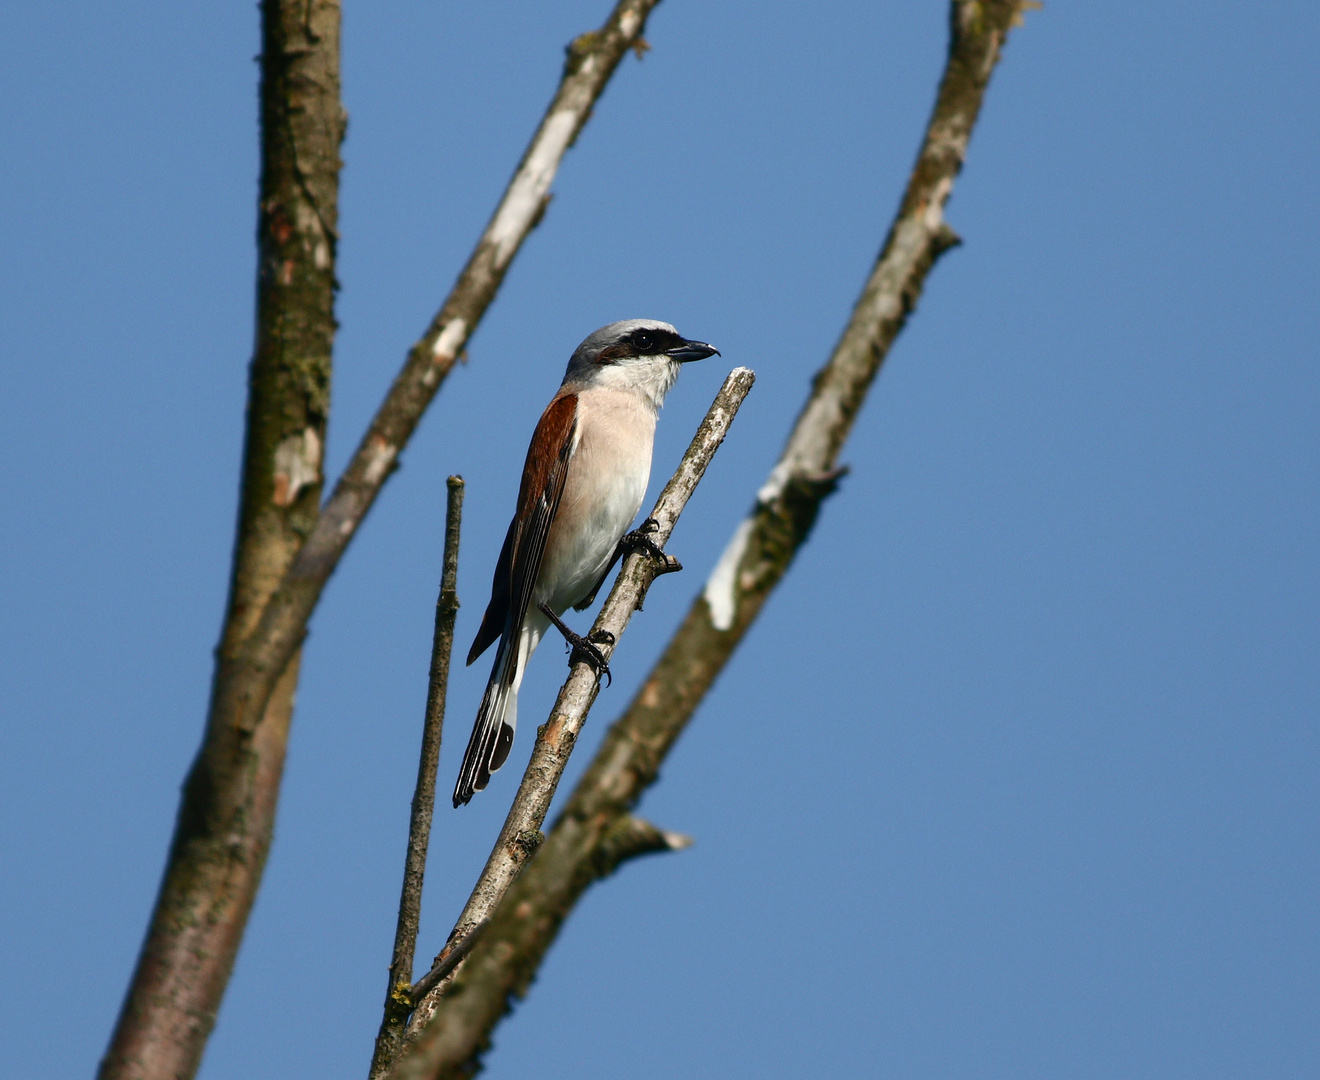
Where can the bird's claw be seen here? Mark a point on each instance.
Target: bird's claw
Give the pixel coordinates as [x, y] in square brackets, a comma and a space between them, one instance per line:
[638, 540]
[585, 650]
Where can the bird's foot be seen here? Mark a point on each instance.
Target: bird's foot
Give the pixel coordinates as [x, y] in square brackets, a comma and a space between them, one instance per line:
[584, 649]
[639, 540]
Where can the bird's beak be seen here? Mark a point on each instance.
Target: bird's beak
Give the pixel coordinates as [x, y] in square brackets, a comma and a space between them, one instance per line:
[692, 350]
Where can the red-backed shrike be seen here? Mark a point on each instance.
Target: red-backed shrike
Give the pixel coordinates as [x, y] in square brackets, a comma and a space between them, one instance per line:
[582, 485]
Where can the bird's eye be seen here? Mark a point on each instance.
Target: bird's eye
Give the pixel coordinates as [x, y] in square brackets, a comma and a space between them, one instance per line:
[643, 341]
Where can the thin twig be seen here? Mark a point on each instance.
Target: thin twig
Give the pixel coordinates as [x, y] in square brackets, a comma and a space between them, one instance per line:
[555, 739]
[450, 957]
[398, 1000]
[578, 850]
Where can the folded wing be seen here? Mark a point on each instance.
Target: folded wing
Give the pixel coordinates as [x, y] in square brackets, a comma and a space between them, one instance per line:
[511, 593]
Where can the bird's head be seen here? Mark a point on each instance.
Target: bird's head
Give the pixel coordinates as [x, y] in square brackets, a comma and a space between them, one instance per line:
[641, 355]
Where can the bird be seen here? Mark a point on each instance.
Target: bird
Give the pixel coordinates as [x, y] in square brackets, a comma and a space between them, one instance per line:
[582, 485]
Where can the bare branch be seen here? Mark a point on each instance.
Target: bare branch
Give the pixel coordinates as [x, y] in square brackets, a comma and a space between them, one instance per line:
[579, 849]
[435, 1046]
[398, 999]
[223, 831]
[630, 838]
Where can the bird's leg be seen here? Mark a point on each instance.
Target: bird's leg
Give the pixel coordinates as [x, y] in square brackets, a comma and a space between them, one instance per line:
[584, 648]
[640, 540]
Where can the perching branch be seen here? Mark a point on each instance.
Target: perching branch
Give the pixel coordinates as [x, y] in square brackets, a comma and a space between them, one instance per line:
[398, 998]
[225, 819]
[580, 848]
[441, 1046]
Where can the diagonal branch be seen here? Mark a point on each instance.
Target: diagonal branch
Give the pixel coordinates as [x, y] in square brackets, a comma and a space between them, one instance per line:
[578, 850]
[437, 1044]
[398, 998]
[226, 815]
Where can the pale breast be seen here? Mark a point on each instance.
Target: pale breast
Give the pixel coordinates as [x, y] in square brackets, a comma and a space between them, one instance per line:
[607, 477]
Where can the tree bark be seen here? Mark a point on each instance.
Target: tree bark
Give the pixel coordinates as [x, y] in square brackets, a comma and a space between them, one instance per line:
[224, 825]
[596, 830]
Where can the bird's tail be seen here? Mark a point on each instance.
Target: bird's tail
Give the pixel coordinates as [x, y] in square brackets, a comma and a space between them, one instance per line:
[492, 734]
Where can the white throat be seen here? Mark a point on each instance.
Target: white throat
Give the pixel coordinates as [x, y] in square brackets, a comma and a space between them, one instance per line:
[649, 377]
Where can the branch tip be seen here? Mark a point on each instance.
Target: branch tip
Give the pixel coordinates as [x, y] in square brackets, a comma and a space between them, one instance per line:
[399, 999]
[677, 841]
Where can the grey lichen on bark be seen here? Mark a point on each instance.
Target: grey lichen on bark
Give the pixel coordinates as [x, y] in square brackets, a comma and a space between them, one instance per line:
[225, 820]
[582, 845]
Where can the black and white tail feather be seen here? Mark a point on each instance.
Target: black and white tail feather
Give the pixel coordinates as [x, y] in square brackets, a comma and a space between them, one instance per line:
[497, 720]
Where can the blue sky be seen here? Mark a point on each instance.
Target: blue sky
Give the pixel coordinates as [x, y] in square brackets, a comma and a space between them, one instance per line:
[1016, 775]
